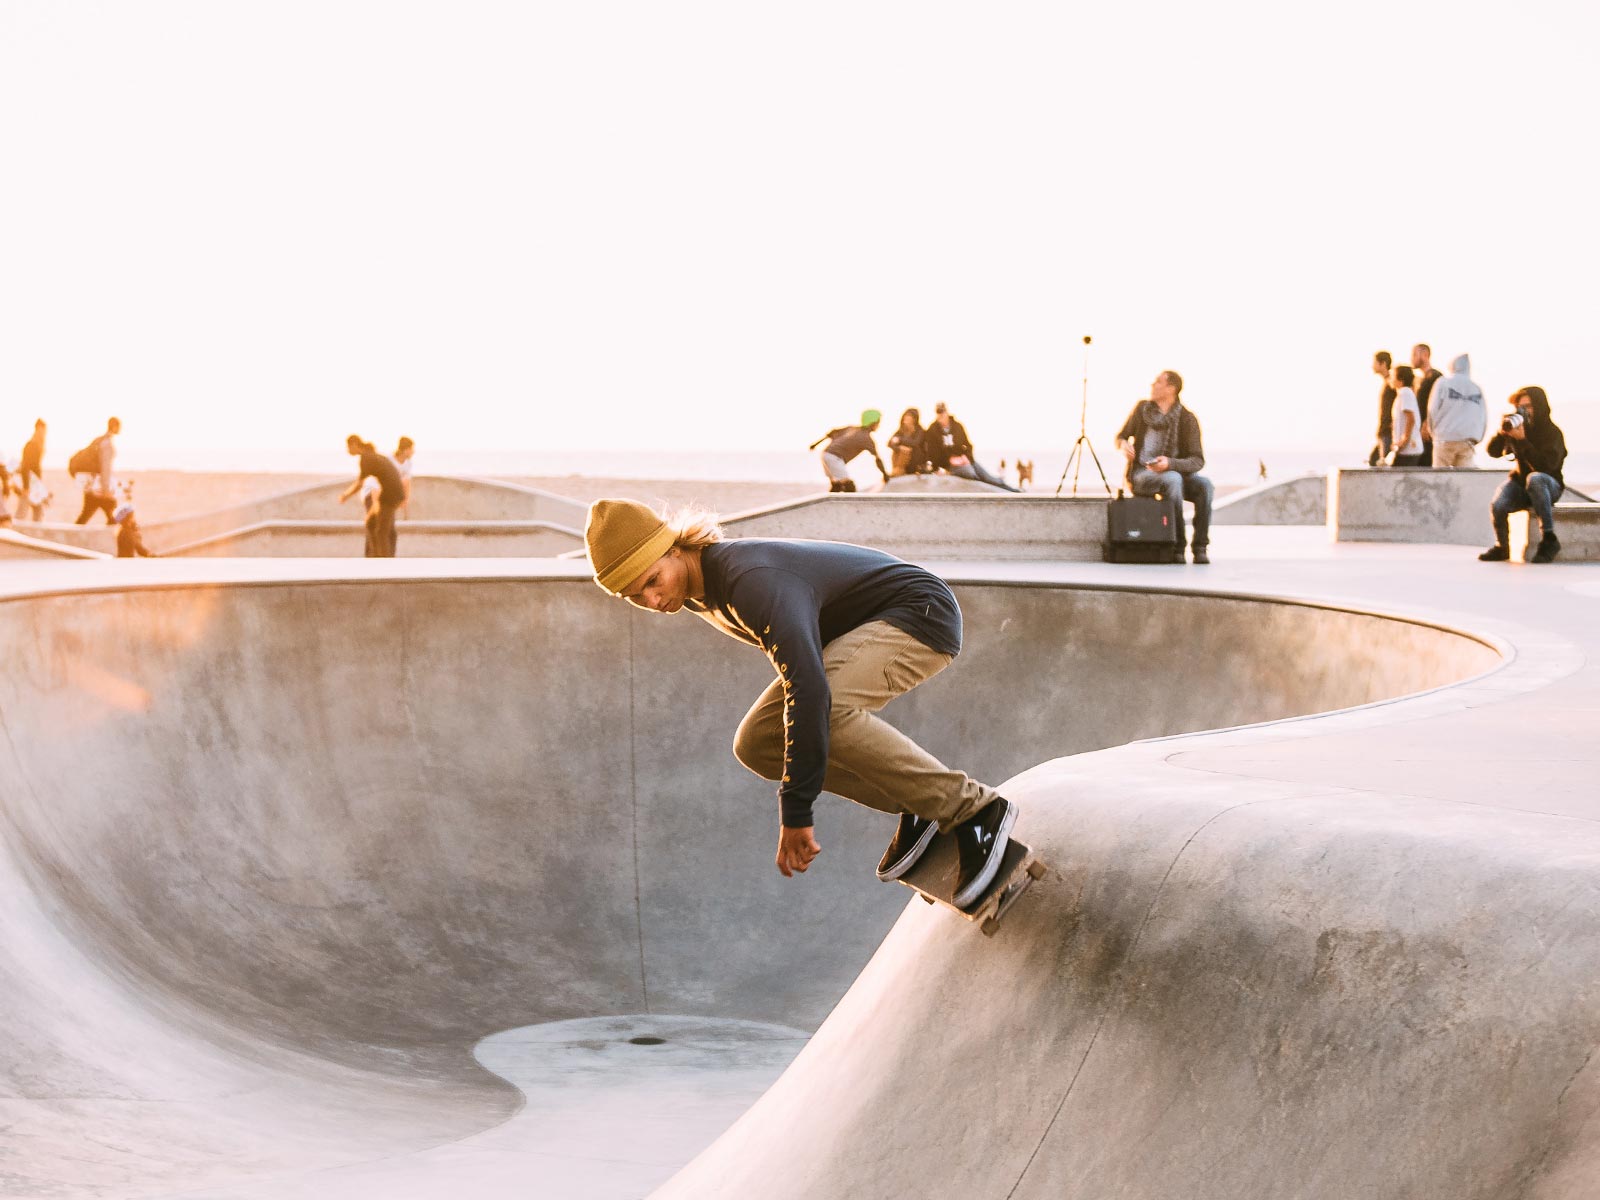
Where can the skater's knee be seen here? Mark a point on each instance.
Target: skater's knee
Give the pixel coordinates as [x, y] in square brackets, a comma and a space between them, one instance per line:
[755, 747]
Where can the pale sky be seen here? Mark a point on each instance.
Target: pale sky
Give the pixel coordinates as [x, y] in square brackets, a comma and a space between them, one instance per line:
[732, 225]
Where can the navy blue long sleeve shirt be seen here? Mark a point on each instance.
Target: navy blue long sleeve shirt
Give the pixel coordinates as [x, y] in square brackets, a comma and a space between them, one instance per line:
[792, 598]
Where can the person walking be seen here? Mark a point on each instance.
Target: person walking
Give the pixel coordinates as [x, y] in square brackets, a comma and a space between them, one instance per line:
[100, 489]
[1457, 418]
[30, 477]
[381, 538]
[847, 629]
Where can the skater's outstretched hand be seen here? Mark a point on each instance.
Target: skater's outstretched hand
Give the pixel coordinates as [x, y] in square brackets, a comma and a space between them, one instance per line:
[796, 849]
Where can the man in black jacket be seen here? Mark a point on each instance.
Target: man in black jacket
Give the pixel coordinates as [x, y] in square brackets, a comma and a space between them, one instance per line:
[1382, 363]
[1161, 441]
[1535, 482]
[950, 449]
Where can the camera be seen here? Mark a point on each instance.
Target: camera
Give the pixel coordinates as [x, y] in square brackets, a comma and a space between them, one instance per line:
[1510, 421]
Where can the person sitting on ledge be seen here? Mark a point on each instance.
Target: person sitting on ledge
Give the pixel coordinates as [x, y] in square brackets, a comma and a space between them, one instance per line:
[949, 449]
[1535, 482]
[1161, 441]
[847, 629]
[844, 444]
[906, 446]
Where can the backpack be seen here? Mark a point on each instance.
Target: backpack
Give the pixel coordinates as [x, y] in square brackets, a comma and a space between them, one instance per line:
[85, 461]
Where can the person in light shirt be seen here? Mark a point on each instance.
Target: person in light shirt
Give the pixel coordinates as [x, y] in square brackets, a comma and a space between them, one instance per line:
[1407, 420]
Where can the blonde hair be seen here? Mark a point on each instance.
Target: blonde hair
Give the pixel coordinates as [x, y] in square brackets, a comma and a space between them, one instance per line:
[694, 528]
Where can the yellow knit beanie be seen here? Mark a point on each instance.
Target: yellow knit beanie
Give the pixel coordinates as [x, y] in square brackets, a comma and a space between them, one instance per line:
[624, 537]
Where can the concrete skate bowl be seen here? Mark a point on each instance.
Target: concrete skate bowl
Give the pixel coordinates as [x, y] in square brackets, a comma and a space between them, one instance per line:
[278, 857]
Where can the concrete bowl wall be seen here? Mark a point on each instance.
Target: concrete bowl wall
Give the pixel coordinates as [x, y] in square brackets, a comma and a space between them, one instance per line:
[356, 827]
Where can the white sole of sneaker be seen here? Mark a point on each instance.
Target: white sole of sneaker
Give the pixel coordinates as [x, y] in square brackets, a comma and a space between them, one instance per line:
[909, 858]
[990, 868]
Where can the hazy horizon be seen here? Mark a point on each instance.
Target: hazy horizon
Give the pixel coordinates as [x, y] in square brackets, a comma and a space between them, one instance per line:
[697, 227]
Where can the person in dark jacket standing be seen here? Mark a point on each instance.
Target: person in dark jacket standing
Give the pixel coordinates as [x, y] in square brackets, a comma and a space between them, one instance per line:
[847, 629]
[1161, 441]
[844, 443]
[1382, 363]
[950, 449]
[381, 537]
[1426, 375]
[31, 476]
[1535, 483]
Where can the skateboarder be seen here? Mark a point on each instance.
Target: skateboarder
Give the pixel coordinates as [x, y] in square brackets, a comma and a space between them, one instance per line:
[847, 629]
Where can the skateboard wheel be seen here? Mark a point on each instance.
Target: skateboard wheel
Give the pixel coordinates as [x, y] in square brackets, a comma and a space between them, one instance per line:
[989, 925]
[1036, 870]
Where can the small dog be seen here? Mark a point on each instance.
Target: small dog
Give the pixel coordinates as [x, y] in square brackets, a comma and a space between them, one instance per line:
[1024, 474]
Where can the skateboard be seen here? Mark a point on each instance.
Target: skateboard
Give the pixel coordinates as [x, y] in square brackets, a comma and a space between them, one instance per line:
[934, 879]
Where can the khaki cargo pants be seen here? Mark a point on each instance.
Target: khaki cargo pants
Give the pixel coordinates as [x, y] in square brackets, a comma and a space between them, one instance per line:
[869, 760]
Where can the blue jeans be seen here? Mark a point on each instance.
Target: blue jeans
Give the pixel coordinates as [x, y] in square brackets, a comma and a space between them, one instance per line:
[1540, 495]
[1195, 488]
[972, 470]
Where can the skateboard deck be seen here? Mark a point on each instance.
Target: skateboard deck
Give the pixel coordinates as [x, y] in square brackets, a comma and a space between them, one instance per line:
[934, 879]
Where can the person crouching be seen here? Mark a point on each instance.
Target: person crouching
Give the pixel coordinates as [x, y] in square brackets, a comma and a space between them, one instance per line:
[129, 543]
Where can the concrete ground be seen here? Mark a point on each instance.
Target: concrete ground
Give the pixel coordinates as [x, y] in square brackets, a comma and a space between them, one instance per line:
[356, 879]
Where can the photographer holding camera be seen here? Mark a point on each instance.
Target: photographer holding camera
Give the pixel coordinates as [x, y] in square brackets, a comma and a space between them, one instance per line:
[1535, 483]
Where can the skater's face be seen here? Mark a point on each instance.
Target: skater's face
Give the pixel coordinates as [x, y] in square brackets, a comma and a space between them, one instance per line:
[663, 587]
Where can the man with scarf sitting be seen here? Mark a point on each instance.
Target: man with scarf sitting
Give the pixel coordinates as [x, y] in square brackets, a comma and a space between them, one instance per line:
[1161, 441]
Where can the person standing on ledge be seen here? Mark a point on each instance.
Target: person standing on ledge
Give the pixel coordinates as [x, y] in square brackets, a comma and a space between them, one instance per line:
[1382, 362]
[391, 495]
[847, 629]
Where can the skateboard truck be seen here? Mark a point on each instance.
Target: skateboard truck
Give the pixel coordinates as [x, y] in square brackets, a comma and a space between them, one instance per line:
[933, 878]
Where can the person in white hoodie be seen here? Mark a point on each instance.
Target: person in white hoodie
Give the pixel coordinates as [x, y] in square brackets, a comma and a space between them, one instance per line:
[1457, 417]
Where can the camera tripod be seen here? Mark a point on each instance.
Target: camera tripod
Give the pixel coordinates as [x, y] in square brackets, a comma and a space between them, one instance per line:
[1075, 459]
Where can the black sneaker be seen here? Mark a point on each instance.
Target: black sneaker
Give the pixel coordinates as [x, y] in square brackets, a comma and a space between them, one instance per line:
[1549, 547]
[1201, 557]
[910, 839]
[1495, 553]
[982, 844]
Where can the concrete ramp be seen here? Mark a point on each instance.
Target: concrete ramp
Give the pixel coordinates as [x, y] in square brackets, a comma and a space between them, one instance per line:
[290, 867]
[1250, 991]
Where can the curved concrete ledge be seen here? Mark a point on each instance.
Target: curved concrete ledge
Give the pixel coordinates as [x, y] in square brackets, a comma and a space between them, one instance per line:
[417, 539]
[434, 497]
[280, 854]
[999, 526]
[935, 485]
[1299, 501]
[20, 545]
